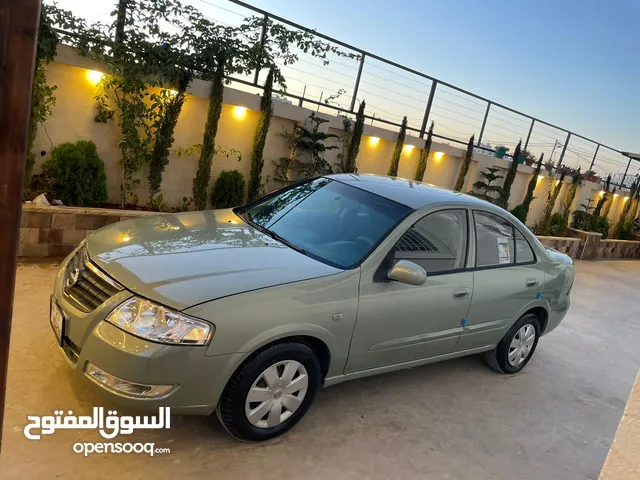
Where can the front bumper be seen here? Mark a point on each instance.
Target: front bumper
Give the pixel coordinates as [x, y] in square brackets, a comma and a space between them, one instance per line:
[88, 338]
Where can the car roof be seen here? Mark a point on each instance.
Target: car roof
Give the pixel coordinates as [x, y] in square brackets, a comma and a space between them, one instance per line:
[411, 193]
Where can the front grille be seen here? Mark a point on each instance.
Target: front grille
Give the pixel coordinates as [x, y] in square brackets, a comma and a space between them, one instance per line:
[85, 286]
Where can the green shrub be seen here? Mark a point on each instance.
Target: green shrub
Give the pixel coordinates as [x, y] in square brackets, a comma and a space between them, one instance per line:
[625, 230]
[228, 191]
[557, 224]
[602, 226]
[76, 174]
[520, 212]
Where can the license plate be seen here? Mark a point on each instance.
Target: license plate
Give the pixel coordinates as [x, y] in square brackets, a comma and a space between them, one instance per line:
[56, 318]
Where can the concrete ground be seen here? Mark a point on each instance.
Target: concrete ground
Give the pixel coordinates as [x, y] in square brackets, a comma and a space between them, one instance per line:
[453, 420]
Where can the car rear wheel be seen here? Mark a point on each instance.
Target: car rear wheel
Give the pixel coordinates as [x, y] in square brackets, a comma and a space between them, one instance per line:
[516, 348]
[270, 392]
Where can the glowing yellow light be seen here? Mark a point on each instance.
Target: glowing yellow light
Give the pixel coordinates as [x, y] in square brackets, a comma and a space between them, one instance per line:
[94, 77]
[625, 199]
[126, 238]
[172, 93]
[408, 148]
[615, 195]
[373, 140]
[438, 156]
[602, 193]
[540, 177]
[239, 112]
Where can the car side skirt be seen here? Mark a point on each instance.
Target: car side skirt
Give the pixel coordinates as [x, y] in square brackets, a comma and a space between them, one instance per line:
[400, 366]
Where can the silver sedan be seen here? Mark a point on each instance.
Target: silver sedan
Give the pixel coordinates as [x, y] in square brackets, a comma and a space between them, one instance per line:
[247, 312]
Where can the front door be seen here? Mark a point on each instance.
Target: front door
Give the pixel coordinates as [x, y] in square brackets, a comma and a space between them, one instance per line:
[506, 279]
[398, 322]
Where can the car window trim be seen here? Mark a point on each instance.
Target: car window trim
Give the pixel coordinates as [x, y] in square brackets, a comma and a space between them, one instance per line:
[466, 253]
[507, 265]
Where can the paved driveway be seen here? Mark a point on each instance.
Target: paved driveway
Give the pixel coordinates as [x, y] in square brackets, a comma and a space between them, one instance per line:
[453, 420]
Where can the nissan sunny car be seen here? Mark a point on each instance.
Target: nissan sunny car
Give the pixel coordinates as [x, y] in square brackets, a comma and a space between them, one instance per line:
[247, 312]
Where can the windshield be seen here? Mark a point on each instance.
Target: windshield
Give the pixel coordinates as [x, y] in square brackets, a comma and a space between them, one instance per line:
[328, 220]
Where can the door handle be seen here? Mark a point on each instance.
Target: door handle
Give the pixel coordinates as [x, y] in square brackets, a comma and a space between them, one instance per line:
[531, 282]
[461, 293]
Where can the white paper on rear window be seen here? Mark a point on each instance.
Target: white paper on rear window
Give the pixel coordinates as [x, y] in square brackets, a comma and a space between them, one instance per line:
[504, 256]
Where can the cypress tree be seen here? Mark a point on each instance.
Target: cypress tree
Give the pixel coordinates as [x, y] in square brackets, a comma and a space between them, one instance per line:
[395, 156]
[603, 199]
[424, 155]
[354, 142]
[214, 110]
[464, 168]
[260, 138]
[569, 197]
[528, 198]
[505, 193]
[543, 225]
[607, 205]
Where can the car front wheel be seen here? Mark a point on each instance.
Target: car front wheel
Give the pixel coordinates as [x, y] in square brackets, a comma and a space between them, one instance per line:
[270, 392]
[516, 348]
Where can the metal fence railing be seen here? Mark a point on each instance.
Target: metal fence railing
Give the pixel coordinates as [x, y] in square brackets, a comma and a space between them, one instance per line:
[393, 91]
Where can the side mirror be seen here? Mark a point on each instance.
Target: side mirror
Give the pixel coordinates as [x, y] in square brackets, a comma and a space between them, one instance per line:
[407, 272]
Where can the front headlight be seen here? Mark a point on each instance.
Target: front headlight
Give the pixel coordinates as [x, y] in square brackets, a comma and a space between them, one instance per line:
[154, 322]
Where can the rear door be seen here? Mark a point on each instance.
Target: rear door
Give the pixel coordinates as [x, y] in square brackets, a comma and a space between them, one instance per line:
[506, 277]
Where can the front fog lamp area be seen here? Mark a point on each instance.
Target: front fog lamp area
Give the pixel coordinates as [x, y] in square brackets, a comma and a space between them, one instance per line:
[124, 387]
[151, 321]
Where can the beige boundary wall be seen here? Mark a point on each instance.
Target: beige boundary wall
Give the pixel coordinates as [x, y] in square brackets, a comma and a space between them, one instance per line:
[72, 120]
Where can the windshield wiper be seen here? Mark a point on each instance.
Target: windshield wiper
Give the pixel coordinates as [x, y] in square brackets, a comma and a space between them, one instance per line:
[277, 237]
[274, 235]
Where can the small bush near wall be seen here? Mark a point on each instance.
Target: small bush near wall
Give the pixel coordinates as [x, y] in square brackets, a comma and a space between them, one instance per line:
[228, 191]
[76, 174]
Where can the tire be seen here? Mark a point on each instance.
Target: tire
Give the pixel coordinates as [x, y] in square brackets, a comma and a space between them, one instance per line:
[256, 375]
[499, 360]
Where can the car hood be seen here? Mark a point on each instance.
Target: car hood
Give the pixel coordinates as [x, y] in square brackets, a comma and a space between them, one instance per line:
[184, 259]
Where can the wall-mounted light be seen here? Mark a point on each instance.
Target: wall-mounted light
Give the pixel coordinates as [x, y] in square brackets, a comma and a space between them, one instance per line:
[172, 93]
[239, 112]
[625, 199]
[615, 195]
[125, 238]
[94, 76]
[540, 177]
[601, 192]
[373, 141]
[408, 148]
[438, 156]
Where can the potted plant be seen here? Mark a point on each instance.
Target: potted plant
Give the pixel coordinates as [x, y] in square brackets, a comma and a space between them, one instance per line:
[529, 158]
[590, 176]
[548, 165]
[501, 150]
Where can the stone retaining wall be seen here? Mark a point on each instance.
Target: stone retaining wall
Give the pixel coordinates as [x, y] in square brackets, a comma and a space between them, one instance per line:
[55, 231]
[565, 245]
[589, 245]
[618, 249]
